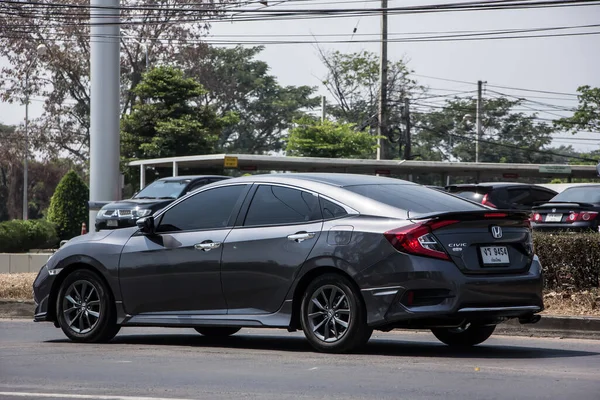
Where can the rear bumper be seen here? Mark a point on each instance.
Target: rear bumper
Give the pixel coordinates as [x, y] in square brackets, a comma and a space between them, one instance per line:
[574, 227]
[441, 292]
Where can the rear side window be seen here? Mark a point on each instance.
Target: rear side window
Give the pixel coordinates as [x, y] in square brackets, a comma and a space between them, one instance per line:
[579, 194]
[331, 210]
[472, 195]
[541, 195]
[274, 205]
[520, 197]
[414, 198]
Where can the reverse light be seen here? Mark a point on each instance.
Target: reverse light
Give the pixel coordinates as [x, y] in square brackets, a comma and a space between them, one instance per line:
[418, 239]
[486, 201]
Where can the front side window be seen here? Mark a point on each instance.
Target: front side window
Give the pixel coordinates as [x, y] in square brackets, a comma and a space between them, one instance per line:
[210, 209]
[273, 205]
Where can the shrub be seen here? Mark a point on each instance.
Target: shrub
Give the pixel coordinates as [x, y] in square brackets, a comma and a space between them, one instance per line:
[69, 206]
[570, 261]
[20, 236]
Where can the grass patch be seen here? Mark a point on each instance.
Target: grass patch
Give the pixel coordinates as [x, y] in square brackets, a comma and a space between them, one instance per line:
[587, 302]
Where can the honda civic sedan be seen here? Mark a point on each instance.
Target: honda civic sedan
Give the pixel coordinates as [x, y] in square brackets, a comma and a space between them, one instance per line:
[335, 255]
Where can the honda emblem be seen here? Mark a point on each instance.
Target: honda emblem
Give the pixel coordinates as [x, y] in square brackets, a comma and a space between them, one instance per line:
[496, 232]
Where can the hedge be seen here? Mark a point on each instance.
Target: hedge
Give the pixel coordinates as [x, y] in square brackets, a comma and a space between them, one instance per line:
[570, 261]
[19, 236]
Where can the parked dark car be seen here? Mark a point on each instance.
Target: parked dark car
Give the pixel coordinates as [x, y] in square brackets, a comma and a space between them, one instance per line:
[154, 197]
[336, 255]
[504, 195]
[574, 209]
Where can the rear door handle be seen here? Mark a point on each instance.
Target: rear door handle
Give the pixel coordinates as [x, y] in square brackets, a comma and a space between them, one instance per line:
[301, 236]
[207, 246]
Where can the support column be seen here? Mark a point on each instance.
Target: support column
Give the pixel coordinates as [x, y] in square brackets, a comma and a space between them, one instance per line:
[142, 176]
[175, 169]
[104, 102]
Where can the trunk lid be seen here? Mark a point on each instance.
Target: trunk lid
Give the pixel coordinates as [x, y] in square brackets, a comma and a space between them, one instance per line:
[487, 242]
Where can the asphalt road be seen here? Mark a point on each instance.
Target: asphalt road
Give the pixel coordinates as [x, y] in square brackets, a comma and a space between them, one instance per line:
[36, 362]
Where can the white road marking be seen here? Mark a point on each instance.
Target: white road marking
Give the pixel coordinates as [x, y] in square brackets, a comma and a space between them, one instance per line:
[83, 396]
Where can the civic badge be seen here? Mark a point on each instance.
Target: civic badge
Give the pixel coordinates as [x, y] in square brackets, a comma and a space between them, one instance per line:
[496, 232]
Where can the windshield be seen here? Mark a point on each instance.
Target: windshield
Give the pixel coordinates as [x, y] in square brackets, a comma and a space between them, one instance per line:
[162, 189]
[414, 198]
[579, 195]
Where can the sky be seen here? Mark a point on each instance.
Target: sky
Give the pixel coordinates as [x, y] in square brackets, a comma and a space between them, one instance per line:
[556, 64]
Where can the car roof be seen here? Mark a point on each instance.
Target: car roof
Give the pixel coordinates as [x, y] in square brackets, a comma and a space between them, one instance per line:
[192, 177]
[331, 179]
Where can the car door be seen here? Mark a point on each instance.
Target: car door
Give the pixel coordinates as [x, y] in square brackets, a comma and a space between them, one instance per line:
[177, 270]
[262, 256]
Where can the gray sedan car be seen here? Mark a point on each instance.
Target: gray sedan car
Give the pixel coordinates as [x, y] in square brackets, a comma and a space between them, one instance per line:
[335, 255]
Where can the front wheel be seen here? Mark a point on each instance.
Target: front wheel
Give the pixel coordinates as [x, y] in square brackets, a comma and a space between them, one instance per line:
[469, 335]
[220, 331]
[333, 315]
[84, 308]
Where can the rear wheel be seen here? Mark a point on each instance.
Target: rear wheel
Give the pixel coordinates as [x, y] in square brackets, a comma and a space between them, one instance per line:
[333, 315]
[469, 335]
[84, 308]
[220, 331]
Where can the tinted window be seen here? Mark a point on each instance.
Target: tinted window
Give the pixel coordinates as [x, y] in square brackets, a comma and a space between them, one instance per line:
[331, 210]
[163, 189]
[472, 195]
[196, 185]
[579, 194]
[520, 197]
[414, 198]
[541, 195]
[210, 209]
[278, 205]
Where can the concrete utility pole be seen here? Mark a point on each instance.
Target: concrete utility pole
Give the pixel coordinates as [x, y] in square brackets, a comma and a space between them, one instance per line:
[323, 109]
[478, 119]
[382, 117]
[407, 146]
[105, 98]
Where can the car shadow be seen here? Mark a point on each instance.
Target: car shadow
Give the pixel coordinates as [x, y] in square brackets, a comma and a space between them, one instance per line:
[376, 346]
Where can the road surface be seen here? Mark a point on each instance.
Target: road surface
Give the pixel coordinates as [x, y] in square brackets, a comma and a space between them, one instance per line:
[37, 362]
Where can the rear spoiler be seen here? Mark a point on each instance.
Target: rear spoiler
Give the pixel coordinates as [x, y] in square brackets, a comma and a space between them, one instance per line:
[563, 203]
[474, 215]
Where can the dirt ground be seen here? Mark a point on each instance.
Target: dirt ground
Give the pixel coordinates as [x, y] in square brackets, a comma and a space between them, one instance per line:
[18, 287]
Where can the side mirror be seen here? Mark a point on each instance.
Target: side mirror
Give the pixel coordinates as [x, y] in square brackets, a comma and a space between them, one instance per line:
[146, 225]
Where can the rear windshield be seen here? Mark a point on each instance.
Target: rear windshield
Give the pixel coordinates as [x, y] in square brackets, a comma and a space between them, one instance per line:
[472, 195]
[415, 199]
[579, 194]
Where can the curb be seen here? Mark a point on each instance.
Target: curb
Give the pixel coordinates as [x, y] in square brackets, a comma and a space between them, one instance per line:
[548, 326]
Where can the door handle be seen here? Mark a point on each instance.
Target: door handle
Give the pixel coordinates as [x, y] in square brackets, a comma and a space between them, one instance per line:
[301, 236]
[207, 246]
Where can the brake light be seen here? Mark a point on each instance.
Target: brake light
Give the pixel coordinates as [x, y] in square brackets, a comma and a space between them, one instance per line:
[495, 215]
[418, 239]
[537, 217]
[486, 201]
[582, 216]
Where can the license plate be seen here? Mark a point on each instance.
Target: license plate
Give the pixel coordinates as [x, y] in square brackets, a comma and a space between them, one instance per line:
[112, 222]
[553, 217]
[494, 255]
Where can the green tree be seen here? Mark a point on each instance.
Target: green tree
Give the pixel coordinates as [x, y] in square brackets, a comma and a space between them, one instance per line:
[168, 119]
[69, 206]
[235, 81]
[353, 81]
[587, 114]
[508, 136]
[312, 138]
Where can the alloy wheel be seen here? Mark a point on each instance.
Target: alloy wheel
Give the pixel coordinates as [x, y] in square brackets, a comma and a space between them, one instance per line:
[81, 306]
[329, 313]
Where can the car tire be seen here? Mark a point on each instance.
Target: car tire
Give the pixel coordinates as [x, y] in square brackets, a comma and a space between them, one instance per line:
[221, 331]
[470, 335]
[85, 309]
[333, 315]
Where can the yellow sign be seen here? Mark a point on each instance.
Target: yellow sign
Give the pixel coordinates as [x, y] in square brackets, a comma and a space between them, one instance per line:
[230, 162]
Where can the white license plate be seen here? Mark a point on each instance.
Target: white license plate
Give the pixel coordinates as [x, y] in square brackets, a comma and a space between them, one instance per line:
[553, 217]
[112, 222]
[495, 255]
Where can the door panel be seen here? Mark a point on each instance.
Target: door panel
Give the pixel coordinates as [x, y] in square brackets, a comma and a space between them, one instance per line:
[260, 264]
[168, 273]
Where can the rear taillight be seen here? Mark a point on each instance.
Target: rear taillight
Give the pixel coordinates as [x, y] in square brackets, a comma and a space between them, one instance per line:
[537, 217]
[418, 239]
[486, 201]
[581, 216]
